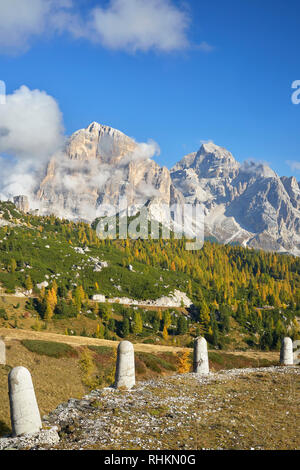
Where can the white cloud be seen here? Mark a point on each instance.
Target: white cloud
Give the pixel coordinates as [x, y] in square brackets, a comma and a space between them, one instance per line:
[23, 20]
[141, 25]
[31, 130]
[130, 25]
[258, 168]
[293, 164]
[204, 47]
[30, 125]
[143, 151]
[17, 177]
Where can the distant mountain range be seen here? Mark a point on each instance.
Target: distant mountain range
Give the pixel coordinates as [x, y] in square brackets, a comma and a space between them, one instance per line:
[247, 204]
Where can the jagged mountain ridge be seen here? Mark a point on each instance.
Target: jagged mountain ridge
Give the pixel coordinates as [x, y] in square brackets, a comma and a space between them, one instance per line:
[247, 204]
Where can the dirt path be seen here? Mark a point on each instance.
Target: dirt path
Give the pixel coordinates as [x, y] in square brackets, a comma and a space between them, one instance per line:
[15, 296]
[270, 355]
[14, 334]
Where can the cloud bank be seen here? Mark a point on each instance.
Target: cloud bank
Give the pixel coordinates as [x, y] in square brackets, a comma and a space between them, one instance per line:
[129, 25]
[30, 124]
[294, 165]
[23, 21]
[141, 25]
[31, 130]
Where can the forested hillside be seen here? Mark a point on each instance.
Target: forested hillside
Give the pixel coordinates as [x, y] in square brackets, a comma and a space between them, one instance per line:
[239, 295]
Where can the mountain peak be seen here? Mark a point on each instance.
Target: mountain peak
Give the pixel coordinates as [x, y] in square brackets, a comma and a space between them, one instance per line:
[94, 125]
[100, 142]
[102, 129]
[213, 161]
[211, 147]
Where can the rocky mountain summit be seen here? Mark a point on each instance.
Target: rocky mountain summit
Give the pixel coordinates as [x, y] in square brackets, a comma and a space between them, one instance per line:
[246, 204]
[100, 165]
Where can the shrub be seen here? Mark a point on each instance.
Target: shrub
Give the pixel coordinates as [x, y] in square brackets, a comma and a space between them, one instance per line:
[165, 364]
[140, 366]
[49, 348]
[3, 314]
[150, 361]
[101, 349]
[149, 341]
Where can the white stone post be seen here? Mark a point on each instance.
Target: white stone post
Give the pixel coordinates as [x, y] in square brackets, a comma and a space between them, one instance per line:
[2, 353]
[201, 364]
[286, 352]
[125, 369]
[24, 411]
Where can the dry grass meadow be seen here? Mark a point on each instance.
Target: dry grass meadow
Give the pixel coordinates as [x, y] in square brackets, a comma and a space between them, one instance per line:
[89, 363]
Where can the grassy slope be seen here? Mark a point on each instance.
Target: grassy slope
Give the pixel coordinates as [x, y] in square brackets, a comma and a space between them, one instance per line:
[91, 365]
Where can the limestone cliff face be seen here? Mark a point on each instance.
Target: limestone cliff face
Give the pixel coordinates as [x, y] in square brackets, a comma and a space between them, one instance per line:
[100, 165]
[22, 203]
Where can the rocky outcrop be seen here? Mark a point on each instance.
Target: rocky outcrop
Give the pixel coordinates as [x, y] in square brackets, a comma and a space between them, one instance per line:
[41, 439]
[22, 203]
[174, 299]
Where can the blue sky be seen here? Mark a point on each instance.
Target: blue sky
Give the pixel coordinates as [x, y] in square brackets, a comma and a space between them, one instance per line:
[227, 79]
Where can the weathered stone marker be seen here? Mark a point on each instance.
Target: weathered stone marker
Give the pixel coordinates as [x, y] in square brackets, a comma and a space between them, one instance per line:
[201, 364]
[24, 411]
[286, 352]
[125, 369]
[2, 353]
